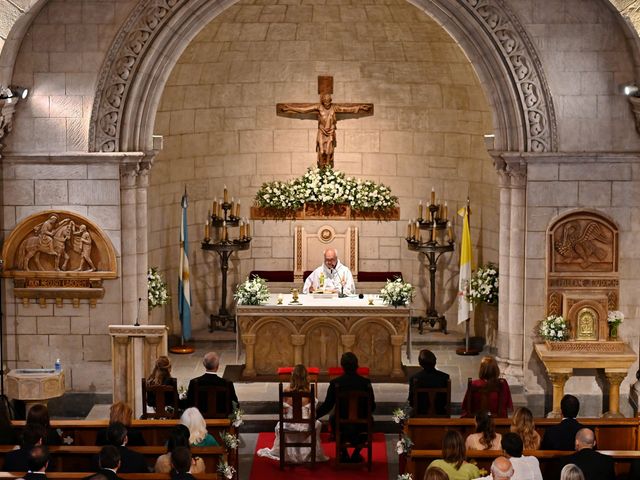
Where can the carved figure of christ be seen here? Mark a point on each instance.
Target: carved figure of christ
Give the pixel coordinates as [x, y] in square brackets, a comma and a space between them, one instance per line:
[327, 113]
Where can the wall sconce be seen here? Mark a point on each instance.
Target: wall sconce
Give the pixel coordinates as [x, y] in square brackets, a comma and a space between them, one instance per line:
[633, 93]
[13, 93]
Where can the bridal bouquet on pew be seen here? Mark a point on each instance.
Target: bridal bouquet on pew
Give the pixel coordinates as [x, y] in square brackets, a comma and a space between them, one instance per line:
[253, 291]
[397, 293]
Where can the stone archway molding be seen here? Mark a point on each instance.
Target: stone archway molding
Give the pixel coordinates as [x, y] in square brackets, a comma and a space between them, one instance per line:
[156, 33]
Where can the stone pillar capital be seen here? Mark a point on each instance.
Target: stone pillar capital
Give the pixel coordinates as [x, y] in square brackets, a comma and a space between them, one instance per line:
[297, 339]
[348, 341]
[512, 169]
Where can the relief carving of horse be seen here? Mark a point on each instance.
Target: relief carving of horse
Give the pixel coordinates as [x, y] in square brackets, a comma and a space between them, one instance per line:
[32, 247]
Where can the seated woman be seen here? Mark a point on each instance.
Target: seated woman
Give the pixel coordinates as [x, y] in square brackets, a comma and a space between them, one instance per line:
[485, 437]
[490, 390]
[198, 434]
[299, 383]
[453, 458]
[179, 437]
[8, 435]
[121, 412]
[435, 473]
[522, 424]
[38, 414]
[161, 375]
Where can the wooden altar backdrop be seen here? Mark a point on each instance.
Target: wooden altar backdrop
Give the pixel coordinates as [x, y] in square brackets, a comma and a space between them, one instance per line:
[318, 331]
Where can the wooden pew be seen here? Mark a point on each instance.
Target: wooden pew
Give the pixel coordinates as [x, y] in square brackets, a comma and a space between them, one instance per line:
[124, 476]
[418, 460]
[74, 458]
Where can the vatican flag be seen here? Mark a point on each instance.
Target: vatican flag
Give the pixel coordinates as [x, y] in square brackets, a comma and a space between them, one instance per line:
[184, 286]
[464, 305]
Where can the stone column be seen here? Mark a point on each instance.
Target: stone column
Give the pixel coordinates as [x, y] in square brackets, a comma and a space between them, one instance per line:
[558, 380]
[249, 341]
[615, 379]
[396, 342]
[298, 342]
[505, 227]
[129, 233]
[142, 249]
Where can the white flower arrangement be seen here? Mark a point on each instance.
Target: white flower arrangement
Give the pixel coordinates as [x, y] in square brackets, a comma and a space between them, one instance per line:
[157, 288]
[396, 292]
[253, 291]
[615, 317]
[403, 445]
[236, 415]
[226, 470]
[405, 476]
[230, 440]
[325, 186]
[554, 328]
[399, 415]
[484, 285]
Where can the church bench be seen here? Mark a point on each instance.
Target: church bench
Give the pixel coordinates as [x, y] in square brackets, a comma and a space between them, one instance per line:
[611, 433]
[124, 476]
[418, 460]
[73, 458]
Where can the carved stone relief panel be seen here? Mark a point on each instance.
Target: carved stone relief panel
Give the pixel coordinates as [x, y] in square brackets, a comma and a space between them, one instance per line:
[373, 347]
[272, 347]
[322, 346]
[58, 254]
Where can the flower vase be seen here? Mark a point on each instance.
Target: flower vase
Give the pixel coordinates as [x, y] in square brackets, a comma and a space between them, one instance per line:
[613, 331]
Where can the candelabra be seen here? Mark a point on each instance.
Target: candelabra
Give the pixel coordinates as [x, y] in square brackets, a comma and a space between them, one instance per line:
[225, 215]
[435, 223]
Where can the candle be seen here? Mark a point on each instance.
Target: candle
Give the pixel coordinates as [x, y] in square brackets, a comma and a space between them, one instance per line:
[207, 231]
[238, 209]
[416, 229]
[449, 232]
[433, 196]
[214, 207]
[409, 230]
[440, 211]
[433, 232]
[225, 232]
[446, 211]
[420, 209]
[225, 195]
[248, 229]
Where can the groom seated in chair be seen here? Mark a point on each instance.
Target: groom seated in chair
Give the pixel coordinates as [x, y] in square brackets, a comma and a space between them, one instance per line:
[350, 381]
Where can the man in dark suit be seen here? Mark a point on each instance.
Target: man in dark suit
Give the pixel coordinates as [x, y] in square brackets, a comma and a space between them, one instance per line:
[429, 377]
[38, 463]
[18, 460]
[109, 461]
[130, 461]
[181, 463]
[211, 362]
[594, 465]
[563, 435]
[350, 381]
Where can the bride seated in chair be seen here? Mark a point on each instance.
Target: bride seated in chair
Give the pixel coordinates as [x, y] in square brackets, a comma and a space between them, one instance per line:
[299, 383]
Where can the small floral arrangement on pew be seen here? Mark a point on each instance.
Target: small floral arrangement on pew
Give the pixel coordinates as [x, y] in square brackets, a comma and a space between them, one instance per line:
[230, 440]
[554, 328]
[236, 415]
[484, 285]
[157, 288]
[399, 415]
[404, 445]
[253, 291]
[405, 476]
[226, 470]
[396, 292]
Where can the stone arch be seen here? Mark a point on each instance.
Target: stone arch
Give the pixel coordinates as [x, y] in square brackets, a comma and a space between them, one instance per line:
[156, 33]
[315, 322]
[377, 320]
[266, 320]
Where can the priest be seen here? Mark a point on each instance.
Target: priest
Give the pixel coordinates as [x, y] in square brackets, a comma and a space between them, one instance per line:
[330, 277]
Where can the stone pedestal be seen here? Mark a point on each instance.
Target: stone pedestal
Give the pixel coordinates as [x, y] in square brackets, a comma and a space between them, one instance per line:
[33, 385]
[560, 365]
[134, 351]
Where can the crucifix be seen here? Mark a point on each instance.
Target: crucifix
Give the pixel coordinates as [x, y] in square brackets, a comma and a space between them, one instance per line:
[326, 112]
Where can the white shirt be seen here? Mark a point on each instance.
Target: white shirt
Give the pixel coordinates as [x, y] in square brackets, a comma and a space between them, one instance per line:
[526, 468]
[332, 279]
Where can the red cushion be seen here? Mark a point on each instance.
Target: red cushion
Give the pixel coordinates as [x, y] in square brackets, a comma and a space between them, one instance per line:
[313, 370]
[288, 370]
[364, 371]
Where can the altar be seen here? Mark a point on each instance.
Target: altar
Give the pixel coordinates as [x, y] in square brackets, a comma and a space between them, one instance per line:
[317, 331]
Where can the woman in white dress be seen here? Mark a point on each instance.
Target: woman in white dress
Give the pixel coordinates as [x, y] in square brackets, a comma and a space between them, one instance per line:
[299, 382]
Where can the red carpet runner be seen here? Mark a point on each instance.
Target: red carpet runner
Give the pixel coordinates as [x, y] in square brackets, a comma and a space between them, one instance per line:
[267, 469]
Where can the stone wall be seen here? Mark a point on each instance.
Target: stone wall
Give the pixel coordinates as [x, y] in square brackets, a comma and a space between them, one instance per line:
[220, 127]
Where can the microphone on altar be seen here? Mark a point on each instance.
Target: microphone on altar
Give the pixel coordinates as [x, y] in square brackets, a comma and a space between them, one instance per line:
[137, 324]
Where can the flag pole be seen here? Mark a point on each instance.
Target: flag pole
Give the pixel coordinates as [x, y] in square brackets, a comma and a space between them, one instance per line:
[467, 351]
[184, 288]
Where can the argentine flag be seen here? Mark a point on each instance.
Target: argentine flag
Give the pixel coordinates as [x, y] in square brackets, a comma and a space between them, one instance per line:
[184, 287]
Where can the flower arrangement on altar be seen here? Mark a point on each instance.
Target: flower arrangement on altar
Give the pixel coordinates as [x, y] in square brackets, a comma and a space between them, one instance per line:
[325, 186]
[253, 291]
[397, 292]
[554, 328]
[403, 445]
[226, 470]
[614, 318]
[484, 285]
[157, 288]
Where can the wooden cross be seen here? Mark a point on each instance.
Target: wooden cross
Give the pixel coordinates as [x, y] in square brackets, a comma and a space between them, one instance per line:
[327, 114]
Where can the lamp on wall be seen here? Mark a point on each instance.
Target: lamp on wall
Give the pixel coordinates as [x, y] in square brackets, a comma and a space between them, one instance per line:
[12, 93]
[633, 93]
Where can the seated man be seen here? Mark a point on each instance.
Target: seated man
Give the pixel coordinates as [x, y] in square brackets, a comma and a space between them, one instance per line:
[130, 461]
[18, 460]
[330, 277]
[181, 463]
[429, 377]
[563, 435]
[347, 382]
[109, 464]
[594, 465]
[211, 362]
[38, 463]
[501, 469]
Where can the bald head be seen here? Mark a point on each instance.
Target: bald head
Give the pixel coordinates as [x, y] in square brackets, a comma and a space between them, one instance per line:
[331, 258]
[585, 439]
[501, 469]
[211, 361]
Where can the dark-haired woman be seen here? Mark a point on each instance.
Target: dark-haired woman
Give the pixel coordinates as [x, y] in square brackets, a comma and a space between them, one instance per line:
[453, 460]
[485, 437]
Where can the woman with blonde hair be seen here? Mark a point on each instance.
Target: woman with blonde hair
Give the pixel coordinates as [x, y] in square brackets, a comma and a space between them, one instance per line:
[522, 423]
[299, 383]
[489, 392]
[198, 434]
[571, 472]
[122, 413]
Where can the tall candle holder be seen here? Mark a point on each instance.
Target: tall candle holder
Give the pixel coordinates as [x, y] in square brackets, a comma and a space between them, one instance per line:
[434, 224]
[223, 216]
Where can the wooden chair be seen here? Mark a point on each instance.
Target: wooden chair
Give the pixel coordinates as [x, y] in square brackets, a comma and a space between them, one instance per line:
[213, 401]
[290, 436]
[162, 408]
[426, 401]
[354, 422]
[479, 399]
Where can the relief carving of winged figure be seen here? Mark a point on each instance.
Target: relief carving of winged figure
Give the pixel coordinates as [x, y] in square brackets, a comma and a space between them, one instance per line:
[582, 245]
